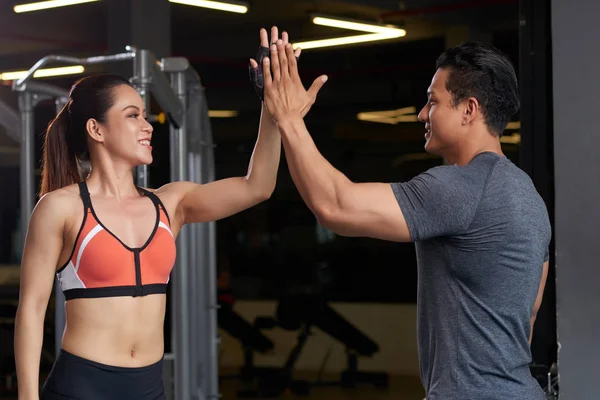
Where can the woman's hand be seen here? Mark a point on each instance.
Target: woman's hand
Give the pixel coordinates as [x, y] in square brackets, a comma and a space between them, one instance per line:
[285, 96]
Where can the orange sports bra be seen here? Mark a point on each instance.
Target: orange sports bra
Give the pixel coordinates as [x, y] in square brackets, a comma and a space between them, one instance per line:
[101, 265]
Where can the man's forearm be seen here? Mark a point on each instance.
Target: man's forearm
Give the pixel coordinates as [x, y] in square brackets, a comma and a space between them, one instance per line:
[318, 182]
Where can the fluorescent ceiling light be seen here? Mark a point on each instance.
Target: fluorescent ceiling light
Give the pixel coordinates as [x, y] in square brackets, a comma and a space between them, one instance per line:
[215, 5]
[340, 41]
[43, 73]
[514, 125]
[43, 5]
[222, 113]
[405, 114]
[376, 33]
[359, 26]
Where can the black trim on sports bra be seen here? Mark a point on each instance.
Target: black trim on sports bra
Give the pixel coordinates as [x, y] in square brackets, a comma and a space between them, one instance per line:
[156, 206]
[156, 201]
[85, 198]
[139, 289]
[115, 291]
[85, 194]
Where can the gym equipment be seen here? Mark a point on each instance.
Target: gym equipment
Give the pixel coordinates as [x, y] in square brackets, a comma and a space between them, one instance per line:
[302, 313]
[250, 337]
[177, 89]
[547, 377]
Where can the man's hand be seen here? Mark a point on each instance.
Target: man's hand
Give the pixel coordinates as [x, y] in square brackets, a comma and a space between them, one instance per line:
[285, 96]
[256, 64]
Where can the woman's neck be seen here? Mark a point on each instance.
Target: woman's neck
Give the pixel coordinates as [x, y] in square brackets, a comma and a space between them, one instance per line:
[112, 181]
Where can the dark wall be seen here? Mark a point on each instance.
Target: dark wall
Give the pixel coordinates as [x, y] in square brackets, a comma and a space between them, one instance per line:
[537, 152]
[575, 32]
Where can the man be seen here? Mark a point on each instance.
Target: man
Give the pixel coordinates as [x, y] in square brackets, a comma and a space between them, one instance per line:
[480, 229]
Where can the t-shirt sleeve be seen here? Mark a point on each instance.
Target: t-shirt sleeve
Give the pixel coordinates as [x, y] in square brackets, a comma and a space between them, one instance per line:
[441, 201]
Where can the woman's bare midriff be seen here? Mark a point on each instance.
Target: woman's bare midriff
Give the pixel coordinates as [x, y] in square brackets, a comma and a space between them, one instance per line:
[117, 331]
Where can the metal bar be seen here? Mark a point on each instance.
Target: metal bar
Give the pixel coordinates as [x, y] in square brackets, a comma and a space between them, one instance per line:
[11, 120]
[60, 318]
[195, 263]
[174, 64]
[212, 389]
[181, 299]
[42, 88]
[27, 160]
[207, 331]
[198, 305]
[142, 79]
[166, 99]
[72, 60]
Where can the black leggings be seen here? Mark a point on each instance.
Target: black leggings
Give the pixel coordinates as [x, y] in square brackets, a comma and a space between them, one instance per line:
[76, 378]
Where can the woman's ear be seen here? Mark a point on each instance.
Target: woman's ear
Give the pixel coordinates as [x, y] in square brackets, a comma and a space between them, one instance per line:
[94, 129]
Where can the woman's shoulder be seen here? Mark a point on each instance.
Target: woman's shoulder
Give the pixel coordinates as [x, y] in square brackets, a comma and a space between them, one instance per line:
[173, 191]
[60, 201]
[57, 207]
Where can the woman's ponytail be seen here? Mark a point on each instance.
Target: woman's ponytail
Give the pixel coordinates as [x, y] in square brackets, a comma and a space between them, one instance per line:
[66, 150]
[59, 162]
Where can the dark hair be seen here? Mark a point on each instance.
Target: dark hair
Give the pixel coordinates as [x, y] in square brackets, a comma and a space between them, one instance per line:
[65, 143]
[480, 70]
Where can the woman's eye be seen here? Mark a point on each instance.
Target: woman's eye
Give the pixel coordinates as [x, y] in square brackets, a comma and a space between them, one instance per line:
[134, 115]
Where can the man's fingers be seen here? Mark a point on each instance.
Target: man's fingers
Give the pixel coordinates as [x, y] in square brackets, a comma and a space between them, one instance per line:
[275, 63]
[253, 63]
[316, 86]
[297, 52]
[268, 80]
[274, 34]
[284, 37]
[283, 61]
[291, 57]
[264, 38]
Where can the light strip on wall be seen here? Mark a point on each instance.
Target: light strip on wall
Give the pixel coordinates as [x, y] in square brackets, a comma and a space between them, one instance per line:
[514, 125]
[405, 114]
[358, 26]
[44, 5]
[511, 139]
[389, 120]
[376, 33]
[43, 73]
[340, 41]
[222, 113]
[215, 5]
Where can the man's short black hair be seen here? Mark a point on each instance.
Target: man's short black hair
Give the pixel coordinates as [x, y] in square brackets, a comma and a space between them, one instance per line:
[480, 70]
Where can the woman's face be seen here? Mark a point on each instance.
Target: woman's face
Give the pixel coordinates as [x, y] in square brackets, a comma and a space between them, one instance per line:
[126, 134]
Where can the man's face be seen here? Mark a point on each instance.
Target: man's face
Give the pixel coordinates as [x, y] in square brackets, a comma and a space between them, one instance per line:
[443, 122]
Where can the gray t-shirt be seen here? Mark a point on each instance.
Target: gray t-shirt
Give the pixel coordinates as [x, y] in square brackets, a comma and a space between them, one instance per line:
[481, 233]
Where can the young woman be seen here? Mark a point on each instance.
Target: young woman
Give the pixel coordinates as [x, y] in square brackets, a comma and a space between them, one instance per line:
[112, 244]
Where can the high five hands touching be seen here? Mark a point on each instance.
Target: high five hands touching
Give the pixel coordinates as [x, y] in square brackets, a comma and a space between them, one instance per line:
[284, 94]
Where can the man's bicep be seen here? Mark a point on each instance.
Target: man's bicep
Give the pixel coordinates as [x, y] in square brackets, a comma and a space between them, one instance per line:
[437, 203]
[368, 210]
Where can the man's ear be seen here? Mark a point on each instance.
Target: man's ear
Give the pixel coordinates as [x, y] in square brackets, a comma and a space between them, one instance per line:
[471, 111]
